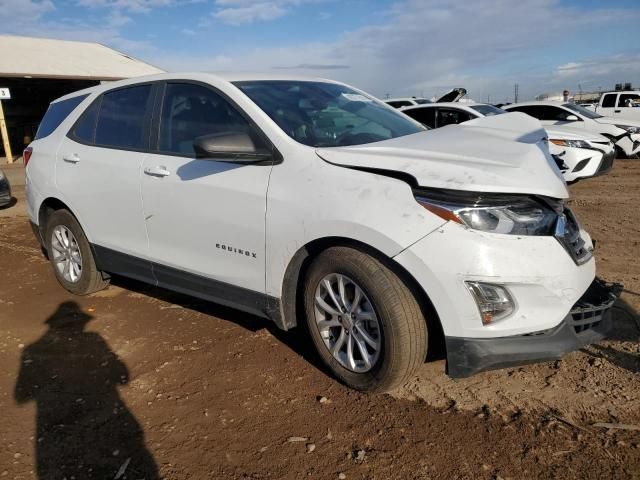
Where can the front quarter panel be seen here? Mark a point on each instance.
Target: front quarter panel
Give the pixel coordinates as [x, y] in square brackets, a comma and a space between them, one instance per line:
[310, 199]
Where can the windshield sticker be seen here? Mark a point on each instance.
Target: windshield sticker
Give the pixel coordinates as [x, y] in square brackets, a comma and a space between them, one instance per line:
[356, 97]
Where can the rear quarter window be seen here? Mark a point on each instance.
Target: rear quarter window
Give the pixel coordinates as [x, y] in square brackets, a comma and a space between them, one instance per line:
[56, 113]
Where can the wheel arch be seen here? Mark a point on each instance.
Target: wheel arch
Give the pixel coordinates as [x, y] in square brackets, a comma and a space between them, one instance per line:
[47, 207]
[291, 305]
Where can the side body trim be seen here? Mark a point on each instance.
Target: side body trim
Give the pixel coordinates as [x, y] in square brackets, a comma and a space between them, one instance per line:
[255, 303]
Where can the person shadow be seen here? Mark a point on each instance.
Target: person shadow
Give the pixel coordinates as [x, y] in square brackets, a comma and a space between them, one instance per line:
[83, 428]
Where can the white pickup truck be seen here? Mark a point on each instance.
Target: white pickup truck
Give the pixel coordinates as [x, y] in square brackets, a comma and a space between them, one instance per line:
[625, 104]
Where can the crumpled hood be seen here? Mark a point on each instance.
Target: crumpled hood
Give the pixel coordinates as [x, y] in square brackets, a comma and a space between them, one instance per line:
[569, 133]
[501, 154]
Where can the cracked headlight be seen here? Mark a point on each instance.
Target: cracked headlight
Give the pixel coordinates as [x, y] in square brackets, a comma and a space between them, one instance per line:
[629, 128]
[506, 214]
[570, 143]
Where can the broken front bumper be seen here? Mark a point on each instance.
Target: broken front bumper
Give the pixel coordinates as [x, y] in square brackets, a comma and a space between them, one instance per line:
[588, 321]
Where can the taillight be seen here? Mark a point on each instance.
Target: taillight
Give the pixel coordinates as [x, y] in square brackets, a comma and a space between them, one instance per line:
[26, 155]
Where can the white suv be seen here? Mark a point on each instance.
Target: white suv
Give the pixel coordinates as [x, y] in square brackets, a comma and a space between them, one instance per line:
[310, 202]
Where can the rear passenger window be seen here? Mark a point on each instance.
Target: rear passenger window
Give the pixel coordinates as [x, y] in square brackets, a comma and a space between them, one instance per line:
[122, 118]
[56, 113]
[190, 111]
[426, 116]
[623, 101]
[609, 100]
[450, 116]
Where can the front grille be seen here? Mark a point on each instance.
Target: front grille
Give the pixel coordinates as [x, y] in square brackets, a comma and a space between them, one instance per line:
[569, 237]
[589, 311]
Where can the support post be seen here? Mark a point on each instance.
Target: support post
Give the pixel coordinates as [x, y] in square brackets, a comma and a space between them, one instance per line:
[5, 136]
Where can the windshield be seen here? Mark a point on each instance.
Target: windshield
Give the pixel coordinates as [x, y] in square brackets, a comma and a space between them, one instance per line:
[421, 101]
[581, 110]
[321, 114]
[487, 110]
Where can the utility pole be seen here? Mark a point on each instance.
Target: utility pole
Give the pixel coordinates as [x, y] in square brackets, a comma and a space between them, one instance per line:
[515, 93]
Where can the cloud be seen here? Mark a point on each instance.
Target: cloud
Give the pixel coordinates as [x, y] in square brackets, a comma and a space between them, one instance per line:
[33, 9]
[139, 6]
[262, 11]
[313, 66]
[239, 12]
[427, 46]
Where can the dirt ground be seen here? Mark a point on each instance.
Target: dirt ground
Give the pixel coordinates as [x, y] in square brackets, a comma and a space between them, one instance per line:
[135, 382]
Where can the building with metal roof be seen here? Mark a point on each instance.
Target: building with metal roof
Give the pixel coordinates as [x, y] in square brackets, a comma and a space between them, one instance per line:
[35, 71]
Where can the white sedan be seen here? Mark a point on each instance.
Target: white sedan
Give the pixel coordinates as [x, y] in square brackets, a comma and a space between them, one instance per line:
[624, 133]
[579, 154]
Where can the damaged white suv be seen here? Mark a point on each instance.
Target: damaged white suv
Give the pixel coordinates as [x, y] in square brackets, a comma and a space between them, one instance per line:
[311, 203]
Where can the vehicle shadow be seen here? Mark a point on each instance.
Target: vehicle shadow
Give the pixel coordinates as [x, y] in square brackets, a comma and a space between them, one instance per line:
[296, 339]
[83, 427]
[626, 328]
[11, 203]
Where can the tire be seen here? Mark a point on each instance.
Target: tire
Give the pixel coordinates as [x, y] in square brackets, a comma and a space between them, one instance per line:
[401, 327]
[89, 279]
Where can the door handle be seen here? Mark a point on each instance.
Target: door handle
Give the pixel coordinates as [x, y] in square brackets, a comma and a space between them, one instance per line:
[74, 158]
[157, 171]
[617, 111]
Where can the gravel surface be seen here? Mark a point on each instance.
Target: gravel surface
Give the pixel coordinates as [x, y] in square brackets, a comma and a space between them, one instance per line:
[136, 382]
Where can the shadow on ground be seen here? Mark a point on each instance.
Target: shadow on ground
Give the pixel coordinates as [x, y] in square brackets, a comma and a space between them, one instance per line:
[626, 328]
[83, 427]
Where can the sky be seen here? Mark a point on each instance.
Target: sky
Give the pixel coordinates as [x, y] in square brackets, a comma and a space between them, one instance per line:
[387, 48]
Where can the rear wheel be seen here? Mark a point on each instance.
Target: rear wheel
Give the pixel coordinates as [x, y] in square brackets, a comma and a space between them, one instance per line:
[365, 323]
[71, 256]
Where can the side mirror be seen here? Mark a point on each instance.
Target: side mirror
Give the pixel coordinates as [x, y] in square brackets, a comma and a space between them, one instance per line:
[235, 147]
[572, 118]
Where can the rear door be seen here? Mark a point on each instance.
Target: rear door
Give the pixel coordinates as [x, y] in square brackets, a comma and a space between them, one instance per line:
[98, 168]
[628, 106]
[205, 218]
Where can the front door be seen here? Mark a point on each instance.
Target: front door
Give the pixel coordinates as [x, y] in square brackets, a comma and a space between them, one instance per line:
[205, 218]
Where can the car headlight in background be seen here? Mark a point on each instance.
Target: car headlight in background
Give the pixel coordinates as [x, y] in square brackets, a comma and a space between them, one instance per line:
[511, 215]
[570, 143]
[629, 128]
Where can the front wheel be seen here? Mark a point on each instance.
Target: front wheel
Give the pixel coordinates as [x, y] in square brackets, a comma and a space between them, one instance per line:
[365, 323]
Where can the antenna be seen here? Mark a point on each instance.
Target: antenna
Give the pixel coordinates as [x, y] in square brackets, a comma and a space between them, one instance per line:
[516, 87]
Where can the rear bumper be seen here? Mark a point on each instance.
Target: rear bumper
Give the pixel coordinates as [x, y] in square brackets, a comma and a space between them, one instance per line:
[589, 321]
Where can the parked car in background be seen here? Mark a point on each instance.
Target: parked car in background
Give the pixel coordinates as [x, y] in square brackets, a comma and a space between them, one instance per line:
[624, 134]
[5, 190]
[306, 200]
[453, 95]
[621, 105]
[400, 102]
[579, 154]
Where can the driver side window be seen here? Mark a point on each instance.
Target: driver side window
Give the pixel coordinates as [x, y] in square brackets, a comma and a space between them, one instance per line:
[190, 111]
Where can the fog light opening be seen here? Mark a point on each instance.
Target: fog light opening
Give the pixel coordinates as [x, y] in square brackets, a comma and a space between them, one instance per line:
[493, 301]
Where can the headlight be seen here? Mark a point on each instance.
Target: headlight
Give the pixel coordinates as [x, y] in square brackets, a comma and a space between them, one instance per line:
[629, 128]
[506, 214]
[571, 143]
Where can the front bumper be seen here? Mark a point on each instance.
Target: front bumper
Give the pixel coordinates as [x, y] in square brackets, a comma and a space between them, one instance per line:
[588, 321]
[606, 164]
